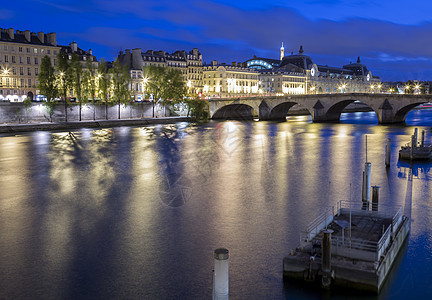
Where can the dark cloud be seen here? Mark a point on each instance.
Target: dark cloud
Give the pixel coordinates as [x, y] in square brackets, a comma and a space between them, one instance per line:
[228, 31]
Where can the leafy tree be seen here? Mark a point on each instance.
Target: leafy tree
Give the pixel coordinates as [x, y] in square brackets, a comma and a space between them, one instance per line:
[120, 85]
[65, 77]
[103, 84]
[89, 78]
[47, 84]
[76, 71]
[165, 84]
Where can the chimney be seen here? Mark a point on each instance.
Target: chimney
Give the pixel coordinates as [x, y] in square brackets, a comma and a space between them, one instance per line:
[215, 63]
[27, 35]
[11, 33]
[90, 52]
[137, 61]
[233, 64]
[127, 51]
[73, 46]
[41, 37]
[51, 39]
[120, 53]
[195, 52]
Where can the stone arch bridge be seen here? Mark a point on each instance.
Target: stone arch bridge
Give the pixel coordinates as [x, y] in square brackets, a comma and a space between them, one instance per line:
[390, 108]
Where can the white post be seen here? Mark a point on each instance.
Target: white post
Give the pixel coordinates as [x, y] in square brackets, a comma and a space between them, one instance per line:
[221, 274]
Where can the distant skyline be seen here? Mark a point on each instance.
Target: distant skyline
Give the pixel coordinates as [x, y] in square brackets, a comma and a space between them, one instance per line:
[392, 37]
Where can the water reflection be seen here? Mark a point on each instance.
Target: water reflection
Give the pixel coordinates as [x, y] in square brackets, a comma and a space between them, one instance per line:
[137, 212]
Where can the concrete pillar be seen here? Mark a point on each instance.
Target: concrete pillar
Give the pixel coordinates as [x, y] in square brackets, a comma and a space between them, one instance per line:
[366, 185]
[415, 137]
[375, 197]
[221, 274]
[326, 258]
[388, 153]
[413, 145]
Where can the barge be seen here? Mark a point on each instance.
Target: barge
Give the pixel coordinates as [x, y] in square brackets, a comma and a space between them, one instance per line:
[415, 150]
[354, 246]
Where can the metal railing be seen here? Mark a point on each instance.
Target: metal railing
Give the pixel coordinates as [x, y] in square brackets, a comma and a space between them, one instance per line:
[319, 223]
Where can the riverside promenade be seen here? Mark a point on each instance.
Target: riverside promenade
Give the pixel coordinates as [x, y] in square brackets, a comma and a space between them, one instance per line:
[13, 128]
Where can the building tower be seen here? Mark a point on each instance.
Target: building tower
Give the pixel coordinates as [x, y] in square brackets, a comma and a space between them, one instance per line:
[282, 50]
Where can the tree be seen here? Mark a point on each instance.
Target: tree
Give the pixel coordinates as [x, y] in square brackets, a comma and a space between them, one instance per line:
[76, 71]
[65, 77]
[164, 84]
[89, 79]
[120, 85]
[103, 84]
[48, 84]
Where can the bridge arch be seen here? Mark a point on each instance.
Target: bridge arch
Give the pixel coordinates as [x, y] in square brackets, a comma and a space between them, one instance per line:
[333, 114]
[234, 112]
[280, 111]
[401, 114]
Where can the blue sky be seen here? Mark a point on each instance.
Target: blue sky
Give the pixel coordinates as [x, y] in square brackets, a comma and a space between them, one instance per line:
[392, 37]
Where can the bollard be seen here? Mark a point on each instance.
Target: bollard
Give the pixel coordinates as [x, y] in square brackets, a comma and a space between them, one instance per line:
[326, 258]
[422, 139]
[375, 197]
[388, 153]
[366, 186]
[413, 143]
[221, 274]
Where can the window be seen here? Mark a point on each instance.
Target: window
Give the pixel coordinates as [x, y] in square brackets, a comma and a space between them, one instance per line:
[49, 51]
[12, 48]
[36, 71]
[20, 49]
[5, 48]
[15, 83]
[6, 58]
[13, 70]
[35, 50]
[21, 71]
[28, 50]
[28, 60]
[21, 59]
[42, 51]
[29, 83]
[29, 71]
[55, 61]
[55, 52]
[36, 60]
[22, 82]
[13, 59]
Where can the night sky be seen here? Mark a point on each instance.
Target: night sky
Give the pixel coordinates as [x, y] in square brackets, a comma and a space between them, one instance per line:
[392, 37]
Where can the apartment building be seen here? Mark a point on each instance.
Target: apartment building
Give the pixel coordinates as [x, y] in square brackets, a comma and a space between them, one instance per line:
[21, 54]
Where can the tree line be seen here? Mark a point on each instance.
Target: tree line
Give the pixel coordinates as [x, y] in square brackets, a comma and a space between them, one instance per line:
[111, 84]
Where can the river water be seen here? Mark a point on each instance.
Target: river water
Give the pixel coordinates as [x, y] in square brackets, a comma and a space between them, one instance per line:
[136, 212]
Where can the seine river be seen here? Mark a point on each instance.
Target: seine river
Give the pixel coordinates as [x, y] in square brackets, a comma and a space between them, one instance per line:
[136, 212]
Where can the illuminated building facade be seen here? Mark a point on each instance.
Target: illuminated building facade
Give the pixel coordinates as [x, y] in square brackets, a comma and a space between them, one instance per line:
[21, 54]
[351, 78]
[188, 63]
[222, 80]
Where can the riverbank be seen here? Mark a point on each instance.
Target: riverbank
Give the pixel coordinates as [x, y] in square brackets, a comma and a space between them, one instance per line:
[12, 128]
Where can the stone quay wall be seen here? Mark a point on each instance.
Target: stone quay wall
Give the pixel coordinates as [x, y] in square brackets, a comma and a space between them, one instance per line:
[19, 113]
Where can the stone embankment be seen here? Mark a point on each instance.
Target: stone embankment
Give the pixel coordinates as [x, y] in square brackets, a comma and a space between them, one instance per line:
[12, 128]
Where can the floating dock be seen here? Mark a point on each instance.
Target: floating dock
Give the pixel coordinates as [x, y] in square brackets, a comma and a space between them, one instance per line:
[415, 150]
[354, 245]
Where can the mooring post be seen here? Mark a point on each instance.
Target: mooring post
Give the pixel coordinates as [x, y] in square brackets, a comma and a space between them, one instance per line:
[415, 136]
[413, 145]
[388, 153]
[221, 274]
[422, 138]
[366, 186]
[375, 197]
[326, 258]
